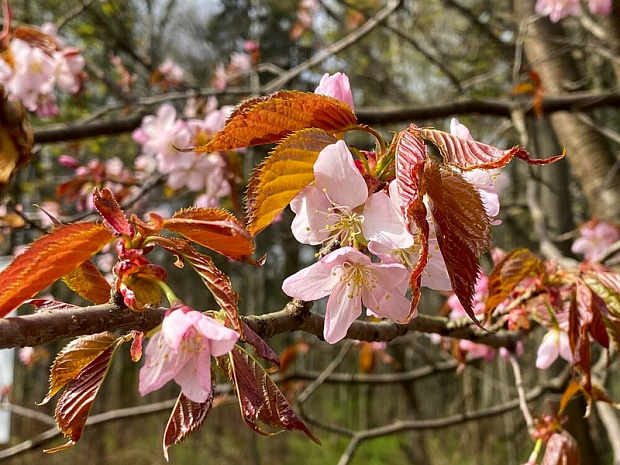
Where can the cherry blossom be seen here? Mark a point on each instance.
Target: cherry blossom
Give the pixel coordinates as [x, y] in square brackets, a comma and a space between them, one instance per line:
[554, 343]
[171, 71]
[600, 7]
[337, 86]
[384, 226]
[558, 9]
[331, 207]
[351, 280]
[182, 351]
[595, 237]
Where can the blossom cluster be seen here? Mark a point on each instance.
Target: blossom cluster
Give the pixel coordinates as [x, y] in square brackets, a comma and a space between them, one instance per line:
[558, 9]
[164, 136]
[377, 251]
[32, 68]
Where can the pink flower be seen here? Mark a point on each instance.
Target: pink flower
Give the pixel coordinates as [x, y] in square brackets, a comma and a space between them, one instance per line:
[554, 343]
[182, 351]
[328, 209]
[156, 133]
[600, 7]
[384, 226]
[337, 86]
[351, 280]
[558, 9]
[171, 71]
[595, 238]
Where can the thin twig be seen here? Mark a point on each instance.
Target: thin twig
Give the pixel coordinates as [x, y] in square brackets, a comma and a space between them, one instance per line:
[516, 370]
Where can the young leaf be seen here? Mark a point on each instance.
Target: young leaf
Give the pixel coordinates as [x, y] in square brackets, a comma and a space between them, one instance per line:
[265, 120]
[261, 348]
[215, 229]
[509, 272]
[187, 416]
[410, 160]
[216, 281]
[106, 204]
[16, 138]
[260, 399]
[282, 175]
[580, 319]
[75, 403]
[48, 259]
[72, 359]
[462, 226]
[468, 154]
[561, 449]
[88, 282]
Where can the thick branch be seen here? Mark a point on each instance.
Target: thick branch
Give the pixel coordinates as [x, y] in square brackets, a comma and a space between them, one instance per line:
[48, 326]
[496, 107]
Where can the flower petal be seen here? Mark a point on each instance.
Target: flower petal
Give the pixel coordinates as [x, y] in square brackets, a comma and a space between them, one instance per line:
[340, 313]
[310, 207]
[336, 173]
[310, 283]
[161, 365]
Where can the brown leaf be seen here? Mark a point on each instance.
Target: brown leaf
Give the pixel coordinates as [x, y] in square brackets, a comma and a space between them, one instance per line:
[281, 176]
[108, 207]
[265, 120]
[462, 226]
[74, 405]
[261, 348]
[510, 271]
[88, 282]
[561, 449]
[260, 399]
[186, 417]
[16, 138]
[216, 281]
[48, 259]
[72, 359]
[410, 160]
[214, 228]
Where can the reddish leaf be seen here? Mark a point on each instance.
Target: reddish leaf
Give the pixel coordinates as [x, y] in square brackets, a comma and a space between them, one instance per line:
[88, 282]
[260, 399]
[288, 169]
[187, 416]
[109, 208]
[462, 226]
[561, 449]
[49, 305]
[215, 229]
[47, 260]
[266, 120]
[571, 390]
[72, 359]
[216, 281]
[580, 318]
[16, 138]
[509, 272]
[75, 403]
[410, 160]
[468, 154]
[598, 327]
[261, 348]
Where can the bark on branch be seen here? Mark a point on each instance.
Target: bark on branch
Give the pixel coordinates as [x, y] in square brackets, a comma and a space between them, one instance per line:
[48, 326]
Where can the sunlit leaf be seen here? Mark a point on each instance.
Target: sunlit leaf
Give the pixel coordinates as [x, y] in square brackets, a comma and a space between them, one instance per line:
[260, 399]
[561, 449]
[468, 154]
[410, 160]
[265, 120]
[214, 228]
[187, 416]
[462, 226]
[281, 176]
[510, 271]
[47, 260]
[74, 405]
[88, 282]
[16, 138]
[216, 281]
[106, 204]
[571, 390]
[72, 359]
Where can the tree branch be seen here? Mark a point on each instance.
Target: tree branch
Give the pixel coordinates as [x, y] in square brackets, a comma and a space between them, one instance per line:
[48, 326]
[495, 107]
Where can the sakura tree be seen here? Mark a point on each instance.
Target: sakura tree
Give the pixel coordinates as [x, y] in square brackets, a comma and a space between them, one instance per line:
[389, 217]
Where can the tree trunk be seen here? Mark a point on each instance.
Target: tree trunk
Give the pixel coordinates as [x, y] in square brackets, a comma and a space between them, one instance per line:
[587, 151]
